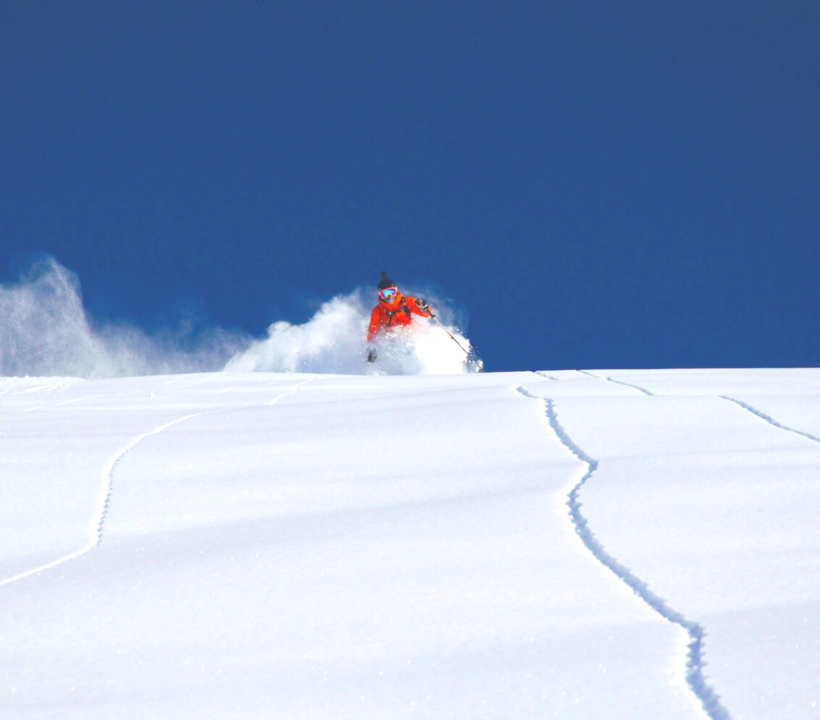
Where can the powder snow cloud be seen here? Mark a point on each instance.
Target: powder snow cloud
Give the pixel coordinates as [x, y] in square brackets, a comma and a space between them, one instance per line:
[46, 331]
[333, 341]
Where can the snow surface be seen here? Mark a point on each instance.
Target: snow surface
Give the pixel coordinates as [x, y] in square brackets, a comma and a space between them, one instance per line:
[605, 544]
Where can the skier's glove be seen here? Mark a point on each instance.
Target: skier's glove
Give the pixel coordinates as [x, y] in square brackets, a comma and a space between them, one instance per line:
[371, 355]
[423, 306]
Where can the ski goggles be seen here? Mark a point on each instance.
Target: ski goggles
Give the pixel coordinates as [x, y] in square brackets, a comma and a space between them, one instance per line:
[387, 293]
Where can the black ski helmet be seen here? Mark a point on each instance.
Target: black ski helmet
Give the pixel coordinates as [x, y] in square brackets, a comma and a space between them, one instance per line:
[385, 282]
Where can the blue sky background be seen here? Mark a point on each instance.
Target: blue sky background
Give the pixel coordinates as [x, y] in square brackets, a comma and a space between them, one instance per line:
[600, 184]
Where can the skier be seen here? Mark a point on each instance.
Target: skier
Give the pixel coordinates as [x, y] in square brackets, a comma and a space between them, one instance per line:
[394, 310]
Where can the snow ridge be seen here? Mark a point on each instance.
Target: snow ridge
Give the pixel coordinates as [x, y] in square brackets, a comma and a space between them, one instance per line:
[708, 698]
[769, 419]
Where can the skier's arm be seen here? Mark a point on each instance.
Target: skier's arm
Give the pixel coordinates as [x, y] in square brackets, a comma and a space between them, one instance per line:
[375, 325]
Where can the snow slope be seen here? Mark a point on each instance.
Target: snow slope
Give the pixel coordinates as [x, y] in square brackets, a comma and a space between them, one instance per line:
[622, 544]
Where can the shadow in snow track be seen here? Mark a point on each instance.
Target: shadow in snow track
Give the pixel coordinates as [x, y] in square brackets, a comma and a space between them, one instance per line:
[769, 419]
[709, 699]
[636, 387]
[618, 382]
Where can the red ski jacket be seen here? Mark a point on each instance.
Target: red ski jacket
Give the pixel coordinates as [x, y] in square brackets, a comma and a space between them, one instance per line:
[395, 314]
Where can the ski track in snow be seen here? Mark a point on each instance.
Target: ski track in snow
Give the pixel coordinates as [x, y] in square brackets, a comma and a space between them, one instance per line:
[544, 375]
[108, 485]
[637, 387]
[295, 389]
[618, 382]
[108, 473]
[102, 512]
[769, 419]
[695, 663]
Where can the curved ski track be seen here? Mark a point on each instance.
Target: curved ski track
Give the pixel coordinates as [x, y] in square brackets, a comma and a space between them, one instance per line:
[636, 387]
[108, 485]
[708, 698]
[108, 473]
[618, 382]
[293, 391]
[102, 512]
[769, 419]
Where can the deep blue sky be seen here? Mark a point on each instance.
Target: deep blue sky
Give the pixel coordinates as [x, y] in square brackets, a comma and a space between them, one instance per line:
[601, 184]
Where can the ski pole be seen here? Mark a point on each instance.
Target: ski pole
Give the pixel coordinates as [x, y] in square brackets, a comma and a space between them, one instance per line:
[450, 334]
